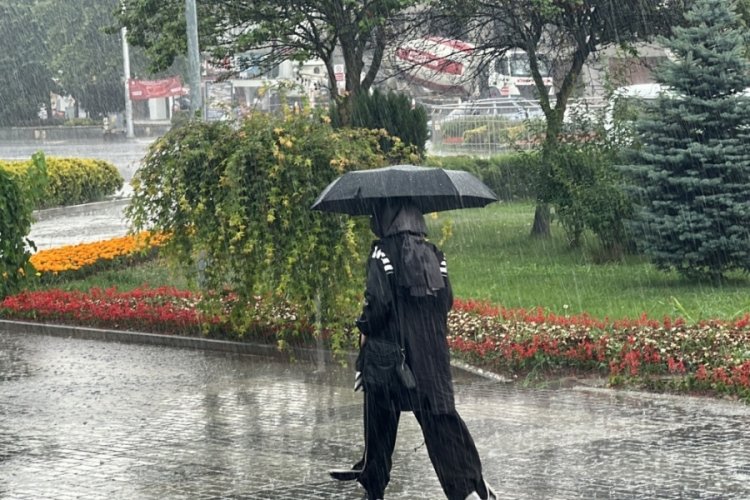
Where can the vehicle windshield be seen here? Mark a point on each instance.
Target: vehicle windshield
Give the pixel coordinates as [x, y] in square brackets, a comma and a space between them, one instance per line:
[517, 64]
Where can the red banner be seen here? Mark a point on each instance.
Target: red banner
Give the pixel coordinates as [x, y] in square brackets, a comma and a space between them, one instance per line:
[148, 89]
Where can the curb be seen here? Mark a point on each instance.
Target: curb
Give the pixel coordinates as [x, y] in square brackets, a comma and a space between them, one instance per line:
[319, 356]
[52, 212]
[133, 337]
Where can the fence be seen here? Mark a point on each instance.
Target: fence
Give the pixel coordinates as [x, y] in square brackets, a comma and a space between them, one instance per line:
[491, 126]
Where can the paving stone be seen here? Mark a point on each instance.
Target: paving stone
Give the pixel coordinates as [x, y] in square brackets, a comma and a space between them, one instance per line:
[92, 419]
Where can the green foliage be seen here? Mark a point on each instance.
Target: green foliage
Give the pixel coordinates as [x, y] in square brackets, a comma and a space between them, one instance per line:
[17, 201]
[71, 181]
[236, 202]
[86, 52]
[491, 257]
[510, 176]
[692, 174]
[25, 79]
[586, 191]
[392, 112]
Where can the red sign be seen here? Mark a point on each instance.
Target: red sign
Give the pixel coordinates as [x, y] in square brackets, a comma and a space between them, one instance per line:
[148, 89]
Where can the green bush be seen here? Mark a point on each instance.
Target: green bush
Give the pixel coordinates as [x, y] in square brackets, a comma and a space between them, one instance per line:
[236, 202]
[82, 122]
[72, 180]
[511, 176]
[17, 198]
[586, 190]
[391, 112]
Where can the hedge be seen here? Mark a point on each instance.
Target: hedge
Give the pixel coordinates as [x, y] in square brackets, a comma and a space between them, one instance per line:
[72, 181]
[511, 176]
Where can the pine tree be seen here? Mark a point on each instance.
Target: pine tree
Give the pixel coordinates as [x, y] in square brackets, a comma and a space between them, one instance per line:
[693, 173]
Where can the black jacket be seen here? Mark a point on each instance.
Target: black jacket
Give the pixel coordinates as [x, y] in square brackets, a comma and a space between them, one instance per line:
[424, 320]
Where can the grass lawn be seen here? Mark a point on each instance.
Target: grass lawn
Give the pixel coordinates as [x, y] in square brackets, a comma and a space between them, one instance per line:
[492, 257]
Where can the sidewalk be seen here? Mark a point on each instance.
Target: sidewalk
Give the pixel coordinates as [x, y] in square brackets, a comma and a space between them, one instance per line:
[106, 420]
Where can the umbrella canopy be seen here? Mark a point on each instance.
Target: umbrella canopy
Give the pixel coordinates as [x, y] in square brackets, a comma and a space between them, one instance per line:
[430, 189]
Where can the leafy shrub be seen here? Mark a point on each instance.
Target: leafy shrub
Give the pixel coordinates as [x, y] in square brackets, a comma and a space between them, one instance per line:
[17, 199]
[510, 176]
[236, 202]
[393, 113]
[82, 122]
[586, 190]
[72, 180]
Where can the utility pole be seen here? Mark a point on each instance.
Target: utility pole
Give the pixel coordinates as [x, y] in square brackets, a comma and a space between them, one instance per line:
[194, 61]
[130, 133]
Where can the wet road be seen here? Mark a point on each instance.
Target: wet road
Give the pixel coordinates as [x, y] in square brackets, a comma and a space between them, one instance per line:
[125, 155]
[79, 224]
[103, 420]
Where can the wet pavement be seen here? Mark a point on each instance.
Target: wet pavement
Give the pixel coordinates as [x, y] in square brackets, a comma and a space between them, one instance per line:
[105, 420]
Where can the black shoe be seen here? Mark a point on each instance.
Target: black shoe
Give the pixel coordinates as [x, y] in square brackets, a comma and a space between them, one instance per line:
[345, 474]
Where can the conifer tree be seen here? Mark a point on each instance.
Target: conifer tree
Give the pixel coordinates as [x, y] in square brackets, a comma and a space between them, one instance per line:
[692, 175]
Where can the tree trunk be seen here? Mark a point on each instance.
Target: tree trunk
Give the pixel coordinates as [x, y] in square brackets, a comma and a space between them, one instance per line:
[344, 109]
[541, 226]
[554, 117]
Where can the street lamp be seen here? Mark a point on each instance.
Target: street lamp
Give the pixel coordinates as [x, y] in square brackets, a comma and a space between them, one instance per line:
[130, 133]
[194, 62]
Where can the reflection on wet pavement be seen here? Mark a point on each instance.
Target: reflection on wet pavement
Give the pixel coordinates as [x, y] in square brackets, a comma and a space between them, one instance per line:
[93, 419]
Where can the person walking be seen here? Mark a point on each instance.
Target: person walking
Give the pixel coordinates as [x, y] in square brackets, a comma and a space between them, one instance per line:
[407, 299]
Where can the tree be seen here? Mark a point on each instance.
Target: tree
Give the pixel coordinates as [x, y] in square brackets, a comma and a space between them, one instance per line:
[60, 46]
[283, 29]
[26, 80]
[18, 196]
[566, 33]
[86, 61]
[693, 177]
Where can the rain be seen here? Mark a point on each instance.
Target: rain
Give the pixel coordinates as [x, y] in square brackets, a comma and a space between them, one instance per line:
[595, 195]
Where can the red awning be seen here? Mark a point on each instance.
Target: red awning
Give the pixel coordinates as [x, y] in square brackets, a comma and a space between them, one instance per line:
[148, 89]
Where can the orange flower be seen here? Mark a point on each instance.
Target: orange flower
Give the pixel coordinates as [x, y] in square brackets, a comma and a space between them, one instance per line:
[76, 257]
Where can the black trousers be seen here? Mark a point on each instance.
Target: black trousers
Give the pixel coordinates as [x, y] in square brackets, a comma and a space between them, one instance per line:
[449, 445]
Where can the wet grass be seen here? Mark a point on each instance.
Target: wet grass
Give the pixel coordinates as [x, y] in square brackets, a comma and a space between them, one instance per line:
[153, 273]
[492, 257]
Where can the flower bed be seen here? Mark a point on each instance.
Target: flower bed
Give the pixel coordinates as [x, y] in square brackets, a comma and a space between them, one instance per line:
[158, 310]
[711, 356]
[75, 261]
[155, 310]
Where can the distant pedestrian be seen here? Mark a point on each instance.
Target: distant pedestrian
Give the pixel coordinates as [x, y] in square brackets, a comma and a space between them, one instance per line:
[407, 299]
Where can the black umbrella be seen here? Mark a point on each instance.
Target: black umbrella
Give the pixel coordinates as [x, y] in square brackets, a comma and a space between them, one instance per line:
[430, 189]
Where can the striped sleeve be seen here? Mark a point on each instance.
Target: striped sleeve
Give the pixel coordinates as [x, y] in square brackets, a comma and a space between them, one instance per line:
[377, 253]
